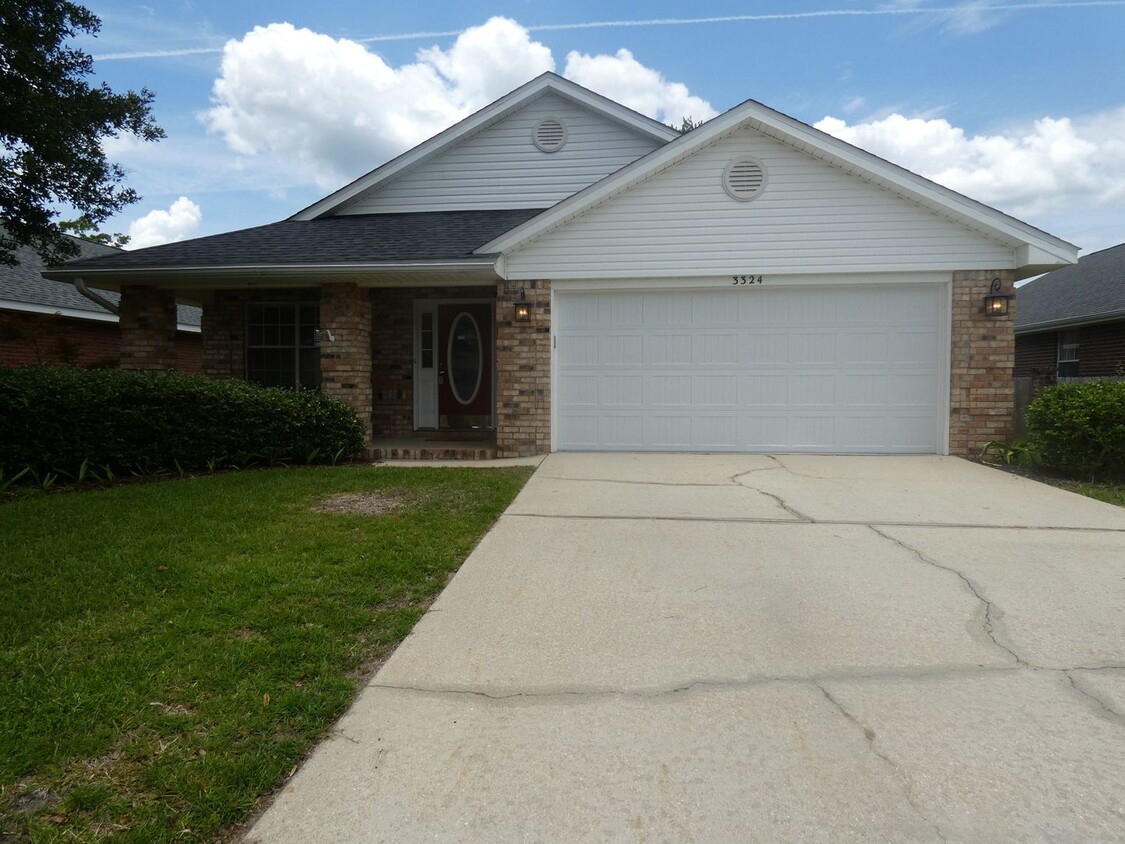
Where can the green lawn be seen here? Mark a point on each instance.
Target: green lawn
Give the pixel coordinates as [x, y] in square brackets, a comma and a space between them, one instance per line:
[1109, 492]
[169, 651]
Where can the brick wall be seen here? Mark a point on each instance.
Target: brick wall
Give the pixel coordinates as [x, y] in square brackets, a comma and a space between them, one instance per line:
[345, 359]
[148, 327]
[1101, 350]
[523, 364]
[47, 339]
[1037, 355]
[983, 355]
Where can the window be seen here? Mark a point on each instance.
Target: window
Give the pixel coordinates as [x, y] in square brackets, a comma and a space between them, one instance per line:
[1068, 354]
[281, 347]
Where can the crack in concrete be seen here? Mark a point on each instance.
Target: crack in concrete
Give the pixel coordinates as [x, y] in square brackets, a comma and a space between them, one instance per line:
[1112, 713]
[989, 624]
[777, 499]
[896, 769]
[810, 521]
[732, 683]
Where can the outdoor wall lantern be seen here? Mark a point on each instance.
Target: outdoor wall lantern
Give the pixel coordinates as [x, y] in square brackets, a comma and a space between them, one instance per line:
[523, 307]
[996, 303]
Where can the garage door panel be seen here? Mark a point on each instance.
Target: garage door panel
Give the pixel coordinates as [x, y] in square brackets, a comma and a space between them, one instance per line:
[782, 369]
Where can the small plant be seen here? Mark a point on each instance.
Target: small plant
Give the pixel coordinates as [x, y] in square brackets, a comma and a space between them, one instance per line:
[1018, 453]
[4, 484]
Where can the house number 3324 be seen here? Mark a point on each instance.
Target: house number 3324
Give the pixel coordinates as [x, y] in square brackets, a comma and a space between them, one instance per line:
[747, 279]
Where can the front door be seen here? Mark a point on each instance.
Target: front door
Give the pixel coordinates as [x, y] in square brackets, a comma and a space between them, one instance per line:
[464, 346]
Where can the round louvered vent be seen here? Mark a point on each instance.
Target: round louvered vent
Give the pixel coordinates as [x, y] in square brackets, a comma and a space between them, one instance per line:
[550, 134]
[744, 179]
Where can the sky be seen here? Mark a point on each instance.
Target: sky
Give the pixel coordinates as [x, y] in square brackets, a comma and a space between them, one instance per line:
[268, 106]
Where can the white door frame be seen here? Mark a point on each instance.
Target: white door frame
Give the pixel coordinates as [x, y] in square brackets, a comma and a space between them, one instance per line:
[426, 383]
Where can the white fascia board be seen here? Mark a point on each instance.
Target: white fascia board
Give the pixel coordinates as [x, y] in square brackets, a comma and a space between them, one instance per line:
[259, 270]
[76, 313]
[478, 121]
[789, 130]
[50, 310]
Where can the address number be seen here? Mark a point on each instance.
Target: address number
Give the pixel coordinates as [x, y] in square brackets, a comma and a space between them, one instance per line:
[747, 279]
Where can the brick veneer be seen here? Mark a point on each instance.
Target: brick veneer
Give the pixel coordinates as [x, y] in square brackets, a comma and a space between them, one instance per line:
[523, 366]
[345, 351]
[147, 318]
[982, 357]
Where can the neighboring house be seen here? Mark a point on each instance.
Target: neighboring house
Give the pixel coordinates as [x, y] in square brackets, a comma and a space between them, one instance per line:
[572, 275]
[1070, 323]
[44, 322]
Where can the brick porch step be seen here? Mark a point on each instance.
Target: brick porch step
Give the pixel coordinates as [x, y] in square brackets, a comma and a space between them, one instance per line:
[452, 448]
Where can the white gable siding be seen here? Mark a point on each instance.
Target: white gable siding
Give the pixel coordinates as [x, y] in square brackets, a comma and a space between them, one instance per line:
[811, 217]
[501, 167]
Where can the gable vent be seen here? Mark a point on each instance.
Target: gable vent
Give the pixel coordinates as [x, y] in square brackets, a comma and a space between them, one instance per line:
[550, 134]
[744, 179]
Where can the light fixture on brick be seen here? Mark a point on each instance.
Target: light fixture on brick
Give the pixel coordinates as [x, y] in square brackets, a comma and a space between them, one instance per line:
[996, 303]
[523, 307]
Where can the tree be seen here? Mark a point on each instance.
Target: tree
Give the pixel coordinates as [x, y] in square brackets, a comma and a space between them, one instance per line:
[687, 124]
[83, 227]
[52, 124]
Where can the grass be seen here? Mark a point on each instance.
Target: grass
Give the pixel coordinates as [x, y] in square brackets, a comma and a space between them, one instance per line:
[1109, 492]
[170, 651]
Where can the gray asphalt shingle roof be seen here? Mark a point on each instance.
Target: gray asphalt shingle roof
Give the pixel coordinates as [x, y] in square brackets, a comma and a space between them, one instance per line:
[347, 239]
[24, 284]
[1090, 291]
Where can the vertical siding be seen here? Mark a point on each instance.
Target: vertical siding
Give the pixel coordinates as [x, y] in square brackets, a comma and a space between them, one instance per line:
[500, 167]
[811, 217]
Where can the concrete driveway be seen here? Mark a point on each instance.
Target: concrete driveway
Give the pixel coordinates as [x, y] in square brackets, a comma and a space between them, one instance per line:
[750, 648]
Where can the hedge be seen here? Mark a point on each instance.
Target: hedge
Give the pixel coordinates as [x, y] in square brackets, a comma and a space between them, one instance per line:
[1080, 428]
[57, 419]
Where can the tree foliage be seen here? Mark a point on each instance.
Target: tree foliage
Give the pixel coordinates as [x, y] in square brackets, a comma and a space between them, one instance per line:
[52, 124]
[83, 227]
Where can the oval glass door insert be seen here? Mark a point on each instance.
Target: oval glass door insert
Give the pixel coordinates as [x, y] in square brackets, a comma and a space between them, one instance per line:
[466, 358]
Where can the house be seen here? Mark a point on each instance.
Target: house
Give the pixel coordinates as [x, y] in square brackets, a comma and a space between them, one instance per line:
[1071, 321]
[43, 322]
[566, 274]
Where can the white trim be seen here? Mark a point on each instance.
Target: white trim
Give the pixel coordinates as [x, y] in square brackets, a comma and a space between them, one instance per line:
[776, 280]
[945, 366]
[1040, 245]
[62, 274]
[76, 313]
[481, 120]
[422, 306]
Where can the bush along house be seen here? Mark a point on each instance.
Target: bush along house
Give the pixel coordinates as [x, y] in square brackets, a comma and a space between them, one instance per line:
[558, 272]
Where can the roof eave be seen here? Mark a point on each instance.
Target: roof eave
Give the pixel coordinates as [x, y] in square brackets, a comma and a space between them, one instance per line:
[1070, 322]
[476, 268]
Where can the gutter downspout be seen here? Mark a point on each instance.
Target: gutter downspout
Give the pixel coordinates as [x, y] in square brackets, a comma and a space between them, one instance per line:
[96, 298]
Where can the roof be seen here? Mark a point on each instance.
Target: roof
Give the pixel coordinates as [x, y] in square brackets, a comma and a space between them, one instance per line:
[1035, 251]
[482, 119]
[1093, 290]
[331, 241]
[23, 288]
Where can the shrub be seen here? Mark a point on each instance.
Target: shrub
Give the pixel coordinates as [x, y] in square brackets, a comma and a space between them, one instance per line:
[72, 420]
[1080, 428]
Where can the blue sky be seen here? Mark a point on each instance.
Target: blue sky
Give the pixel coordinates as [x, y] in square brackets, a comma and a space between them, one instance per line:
[270, 105]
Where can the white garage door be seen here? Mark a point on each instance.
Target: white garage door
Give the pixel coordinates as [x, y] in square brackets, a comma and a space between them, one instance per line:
[830, 369]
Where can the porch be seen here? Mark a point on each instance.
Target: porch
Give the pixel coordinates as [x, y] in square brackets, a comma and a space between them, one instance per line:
[435, 445]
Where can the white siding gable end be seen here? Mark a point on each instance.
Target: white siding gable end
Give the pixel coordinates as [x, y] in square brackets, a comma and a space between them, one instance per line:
[501, 167]
[810, 217]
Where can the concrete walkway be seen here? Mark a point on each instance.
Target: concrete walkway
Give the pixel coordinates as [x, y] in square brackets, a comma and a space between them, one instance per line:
[748, 648]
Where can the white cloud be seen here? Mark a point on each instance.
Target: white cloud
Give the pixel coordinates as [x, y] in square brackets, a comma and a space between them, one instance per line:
[179, 222]
[624, 79]
[1030, 171]
[330, 109]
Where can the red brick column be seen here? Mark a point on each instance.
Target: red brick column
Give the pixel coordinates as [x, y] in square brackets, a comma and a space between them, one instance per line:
[345, 350]
[523, 368]
[224, 335]
[982, 359]
[148, 328]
